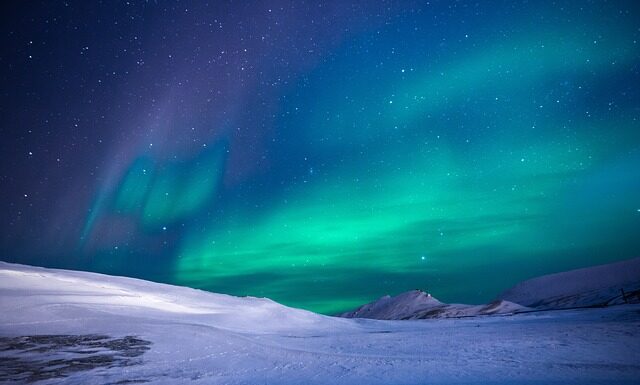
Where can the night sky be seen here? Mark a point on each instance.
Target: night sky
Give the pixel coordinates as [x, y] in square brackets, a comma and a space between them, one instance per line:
[321, 154]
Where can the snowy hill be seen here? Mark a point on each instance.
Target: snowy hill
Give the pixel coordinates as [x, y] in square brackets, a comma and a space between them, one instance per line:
[66, 327]
[401, 306]
[593, 286]
[416, 304]
[82, 292]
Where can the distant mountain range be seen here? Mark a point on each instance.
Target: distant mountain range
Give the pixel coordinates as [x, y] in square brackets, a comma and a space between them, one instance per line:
[598, 286]
[417, 304]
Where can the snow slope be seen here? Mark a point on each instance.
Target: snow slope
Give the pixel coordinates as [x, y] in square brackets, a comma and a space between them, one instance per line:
[416, 304]
[401, 306]
[81, 328]
[592, 286]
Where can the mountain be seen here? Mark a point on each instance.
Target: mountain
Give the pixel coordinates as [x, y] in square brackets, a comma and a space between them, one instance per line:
[399, 307]
[70, 327]
[603, 285]
[416, 304]
[588, 287]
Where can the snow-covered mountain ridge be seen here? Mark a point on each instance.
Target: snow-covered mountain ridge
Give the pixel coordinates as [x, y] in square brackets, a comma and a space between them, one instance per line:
[603, 285]
[416, 304]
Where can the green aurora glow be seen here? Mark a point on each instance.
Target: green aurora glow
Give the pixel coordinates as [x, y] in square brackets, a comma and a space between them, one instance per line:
[482, 206]
[451, 147]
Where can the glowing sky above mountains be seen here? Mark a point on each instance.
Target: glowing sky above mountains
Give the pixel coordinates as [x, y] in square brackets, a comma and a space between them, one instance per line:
[322, 154]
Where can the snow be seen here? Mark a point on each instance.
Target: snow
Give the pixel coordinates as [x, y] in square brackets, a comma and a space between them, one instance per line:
[588, 287]
[69, 327]
[401, 306]
[416, 304]
[593, 286]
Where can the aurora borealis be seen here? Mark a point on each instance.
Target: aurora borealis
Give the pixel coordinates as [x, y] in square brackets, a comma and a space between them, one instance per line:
[322, 154]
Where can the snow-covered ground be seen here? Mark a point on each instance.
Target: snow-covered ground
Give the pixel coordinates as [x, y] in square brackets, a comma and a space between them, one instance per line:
[97, 329]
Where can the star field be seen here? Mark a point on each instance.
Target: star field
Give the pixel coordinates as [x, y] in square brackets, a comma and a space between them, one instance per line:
[321, 154]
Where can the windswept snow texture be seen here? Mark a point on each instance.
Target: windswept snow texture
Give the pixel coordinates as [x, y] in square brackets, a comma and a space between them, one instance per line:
[592, 286]
[417, 304]
[50, 318]
[41, 357]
